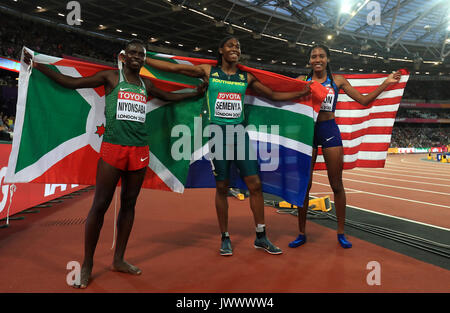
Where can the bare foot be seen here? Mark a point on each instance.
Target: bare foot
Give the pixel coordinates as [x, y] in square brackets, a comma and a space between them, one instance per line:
[125, 267]
[85, 277]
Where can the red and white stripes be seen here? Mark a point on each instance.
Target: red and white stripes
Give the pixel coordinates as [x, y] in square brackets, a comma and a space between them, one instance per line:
[366, 131]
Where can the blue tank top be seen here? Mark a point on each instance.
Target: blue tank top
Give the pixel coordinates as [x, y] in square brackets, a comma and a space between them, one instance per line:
[329, 103]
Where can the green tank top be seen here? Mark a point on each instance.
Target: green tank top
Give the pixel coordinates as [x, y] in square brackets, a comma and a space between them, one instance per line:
[125, 113]
[225, 96]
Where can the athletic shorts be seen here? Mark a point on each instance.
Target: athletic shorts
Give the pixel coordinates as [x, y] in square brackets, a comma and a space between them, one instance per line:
[125, 158]
[239, 151]
[327, 134]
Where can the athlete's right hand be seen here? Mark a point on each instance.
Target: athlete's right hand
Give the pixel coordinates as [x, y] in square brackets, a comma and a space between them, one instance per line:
[27, 57]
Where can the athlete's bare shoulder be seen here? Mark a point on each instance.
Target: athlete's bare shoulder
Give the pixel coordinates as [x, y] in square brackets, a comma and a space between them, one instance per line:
[338, 79]
[111, 78]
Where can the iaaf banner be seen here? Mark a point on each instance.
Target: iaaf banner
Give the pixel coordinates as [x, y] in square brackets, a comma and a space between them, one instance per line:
[18, 197]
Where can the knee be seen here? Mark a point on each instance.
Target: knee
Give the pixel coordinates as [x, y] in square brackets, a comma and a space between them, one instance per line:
[222, 190]
[254, 186]
[128, 202]
[337, 186]
[100, 206]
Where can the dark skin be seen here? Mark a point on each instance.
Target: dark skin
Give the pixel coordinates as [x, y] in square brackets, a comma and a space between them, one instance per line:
[108, 176]
[334, 156]
[230, 53]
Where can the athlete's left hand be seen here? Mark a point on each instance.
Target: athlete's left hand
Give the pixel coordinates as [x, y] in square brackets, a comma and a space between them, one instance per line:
[394, 77]
[307, 90]
[201, 89]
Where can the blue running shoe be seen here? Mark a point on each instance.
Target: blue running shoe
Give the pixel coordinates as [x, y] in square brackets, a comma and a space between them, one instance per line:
[343, 241]
[225, 247]
[301, 239]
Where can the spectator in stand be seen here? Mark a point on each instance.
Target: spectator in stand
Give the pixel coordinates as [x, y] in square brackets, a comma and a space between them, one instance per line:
[420, 137]
[16, 32]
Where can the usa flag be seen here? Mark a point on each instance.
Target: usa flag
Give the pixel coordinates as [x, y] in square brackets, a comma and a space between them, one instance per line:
[366, 130]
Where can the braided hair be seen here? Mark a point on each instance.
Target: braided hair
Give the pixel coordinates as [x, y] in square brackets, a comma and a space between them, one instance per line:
[327, 51]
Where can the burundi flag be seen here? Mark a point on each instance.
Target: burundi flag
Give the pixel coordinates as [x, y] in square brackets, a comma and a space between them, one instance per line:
[59, 131]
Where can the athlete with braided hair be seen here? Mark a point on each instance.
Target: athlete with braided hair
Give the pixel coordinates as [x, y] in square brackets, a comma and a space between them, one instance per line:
[327, 135]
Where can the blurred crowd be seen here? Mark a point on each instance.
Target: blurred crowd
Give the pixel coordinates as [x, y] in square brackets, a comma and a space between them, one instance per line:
[6, 126]
[426, 114]
[7, 79]
[420, 136]
[427, 91]
[16, 33]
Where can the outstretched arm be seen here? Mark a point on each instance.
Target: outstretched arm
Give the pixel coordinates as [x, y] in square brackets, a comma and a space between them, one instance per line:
[366, 99]
[171, 96]
[265, 91]
[199, 71]
[96, 80]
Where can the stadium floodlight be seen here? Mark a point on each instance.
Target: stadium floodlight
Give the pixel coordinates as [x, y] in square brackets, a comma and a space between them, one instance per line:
[346, 7]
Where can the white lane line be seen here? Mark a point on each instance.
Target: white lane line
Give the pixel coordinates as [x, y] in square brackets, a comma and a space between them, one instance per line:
[392, 197]
[427, 168]
[417, 171]
[403, 175]
[435, 164]
[404, 180]
[392, 186]
[397, 217]
[429, 165]
[330, 192]
[422, 167]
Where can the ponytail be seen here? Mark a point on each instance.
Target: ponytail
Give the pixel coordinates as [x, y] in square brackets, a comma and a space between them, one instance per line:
[330, 74]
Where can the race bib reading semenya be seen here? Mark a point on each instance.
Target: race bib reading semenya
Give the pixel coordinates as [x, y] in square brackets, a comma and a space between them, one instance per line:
[131, 106]
[228, 105]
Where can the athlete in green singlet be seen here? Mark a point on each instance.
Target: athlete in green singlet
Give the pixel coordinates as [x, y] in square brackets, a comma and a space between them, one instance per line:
[225, 97]
[125, 134]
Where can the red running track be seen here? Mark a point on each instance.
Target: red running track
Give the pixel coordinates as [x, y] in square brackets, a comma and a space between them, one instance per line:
[408, 187]
[175, 241]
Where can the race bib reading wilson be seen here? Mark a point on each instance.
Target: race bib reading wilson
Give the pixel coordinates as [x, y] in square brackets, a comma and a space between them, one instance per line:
[228, 105]
[327, 104]
[131, 106]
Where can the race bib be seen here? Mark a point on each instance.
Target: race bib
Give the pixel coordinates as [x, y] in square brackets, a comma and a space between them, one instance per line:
[228, 105]
[131, 106]
[327, 104]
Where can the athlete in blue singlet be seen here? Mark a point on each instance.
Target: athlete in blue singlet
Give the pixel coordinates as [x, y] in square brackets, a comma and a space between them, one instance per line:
[327, 135]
